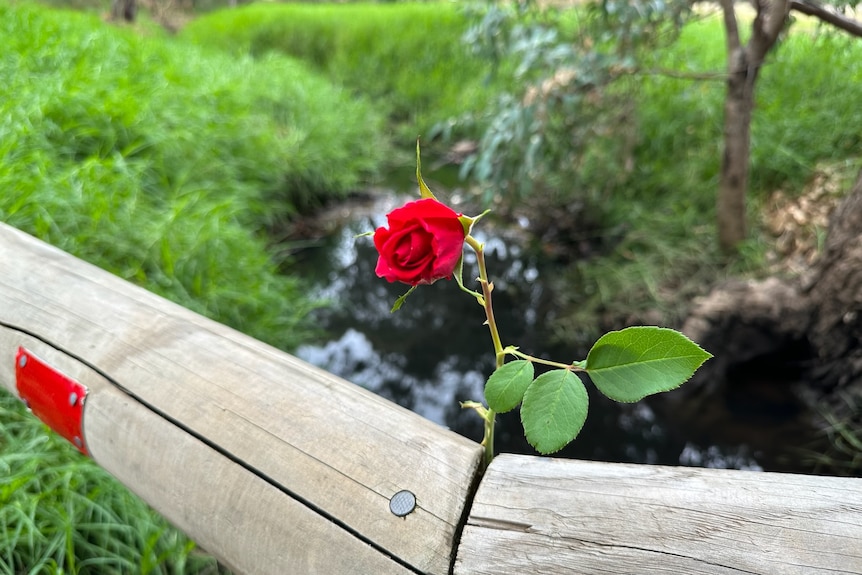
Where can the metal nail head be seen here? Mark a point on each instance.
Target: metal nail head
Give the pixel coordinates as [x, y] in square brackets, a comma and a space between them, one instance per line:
[73, 399]
[402, 503]
[22, 361]
[78, 442]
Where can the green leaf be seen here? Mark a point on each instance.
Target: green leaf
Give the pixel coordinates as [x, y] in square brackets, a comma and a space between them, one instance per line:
[554, 410]
[400, 301]
[424, 190]
[506, 386]
[630, 364]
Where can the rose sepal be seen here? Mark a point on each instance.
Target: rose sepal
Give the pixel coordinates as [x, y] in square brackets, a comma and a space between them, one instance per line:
[424, 190]
[401, 299]
[469, 222]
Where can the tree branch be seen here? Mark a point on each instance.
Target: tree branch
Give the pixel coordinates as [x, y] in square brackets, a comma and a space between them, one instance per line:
[680, 75]
[771, 15]
[828, 15]
[730, 26]
[776, 16]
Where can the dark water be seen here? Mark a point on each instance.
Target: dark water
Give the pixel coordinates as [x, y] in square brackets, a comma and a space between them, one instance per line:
[435, 351]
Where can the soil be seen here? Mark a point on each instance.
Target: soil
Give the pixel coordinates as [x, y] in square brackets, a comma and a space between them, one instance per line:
[790, 344]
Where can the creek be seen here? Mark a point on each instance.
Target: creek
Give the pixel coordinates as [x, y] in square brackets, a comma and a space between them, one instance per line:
[435, 351]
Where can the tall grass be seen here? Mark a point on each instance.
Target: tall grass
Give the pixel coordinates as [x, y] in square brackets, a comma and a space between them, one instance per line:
[166, 165]
[408, 57]
[805, 111]
[802, 115]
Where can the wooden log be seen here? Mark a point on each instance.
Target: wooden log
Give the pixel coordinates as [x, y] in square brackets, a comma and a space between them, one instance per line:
[274, 465]
[534, 515]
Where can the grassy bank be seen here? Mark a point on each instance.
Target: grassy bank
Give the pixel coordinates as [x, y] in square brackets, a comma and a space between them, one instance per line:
[407, 57]
[166, 165]
[802, 115]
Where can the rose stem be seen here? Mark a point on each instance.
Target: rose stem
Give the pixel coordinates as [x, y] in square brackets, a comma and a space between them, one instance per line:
[487, 288]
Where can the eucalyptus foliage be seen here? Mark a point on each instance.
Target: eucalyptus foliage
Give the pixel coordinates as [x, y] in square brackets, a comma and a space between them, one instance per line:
[565, 127]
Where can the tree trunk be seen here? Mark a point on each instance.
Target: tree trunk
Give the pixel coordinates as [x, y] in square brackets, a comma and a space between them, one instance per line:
[123, 10]
[733, 183]
[743, 67]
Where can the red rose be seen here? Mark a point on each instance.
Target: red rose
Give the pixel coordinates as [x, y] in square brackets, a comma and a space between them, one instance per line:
[423, 244]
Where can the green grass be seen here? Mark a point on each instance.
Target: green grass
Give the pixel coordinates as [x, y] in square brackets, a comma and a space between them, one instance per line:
[844, 436]
[802, 116]
[407, 57]
[804, 113]
[166, 164]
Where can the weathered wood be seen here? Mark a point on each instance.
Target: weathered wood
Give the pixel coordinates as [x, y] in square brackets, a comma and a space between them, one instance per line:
[534, 515]
[313, 459]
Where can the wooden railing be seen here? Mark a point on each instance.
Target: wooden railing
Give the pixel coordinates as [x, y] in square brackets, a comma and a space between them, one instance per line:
[276, 466]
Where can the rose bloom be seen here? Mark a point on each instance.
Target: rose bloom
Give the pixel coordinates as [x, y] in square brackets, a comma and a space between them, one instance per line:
[423, 244]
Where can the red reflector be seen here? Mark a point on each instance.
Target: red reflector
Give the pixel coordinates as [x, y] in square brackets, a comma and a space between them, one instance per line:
[54, 398]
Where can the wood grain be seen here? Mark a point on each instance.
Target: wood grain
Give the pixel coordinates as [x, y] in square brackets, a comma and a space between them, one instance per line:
[535, 515]
[328, 443]
[236, 514]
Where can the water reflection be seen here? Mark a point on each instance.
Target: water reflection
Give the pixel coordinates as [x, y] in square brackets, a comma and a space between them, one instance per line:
[435, 351]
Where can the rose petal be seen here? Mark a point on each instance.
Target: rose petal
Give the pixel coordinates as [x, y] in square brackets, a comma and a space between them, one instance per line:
[424, 209]
[448, 245]
[409, 254]
[424, 243]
